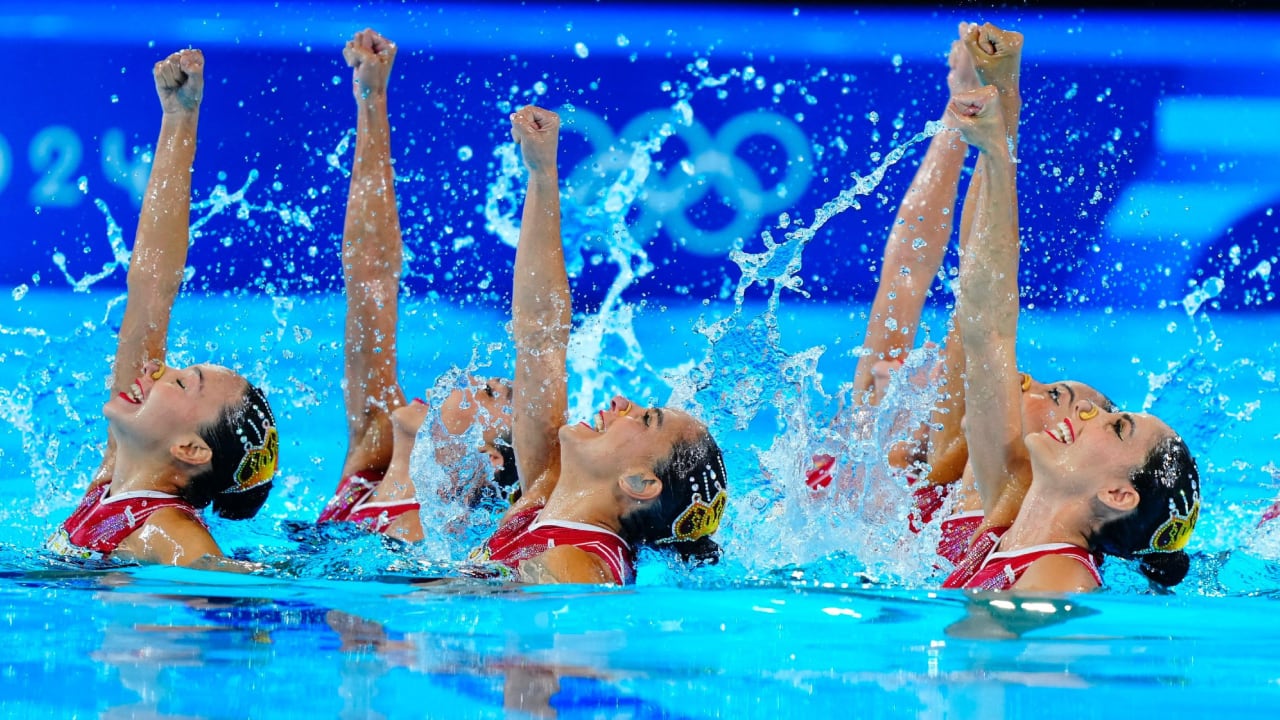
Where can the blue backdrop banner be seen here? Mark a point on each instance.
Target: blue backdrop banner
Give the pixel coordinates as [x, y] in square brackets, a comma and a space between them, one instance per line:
[1148, 170]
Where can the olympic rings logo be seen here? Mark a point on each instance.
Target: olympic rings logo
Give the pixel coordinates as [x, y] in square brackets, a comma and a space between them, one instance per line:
[712, 164]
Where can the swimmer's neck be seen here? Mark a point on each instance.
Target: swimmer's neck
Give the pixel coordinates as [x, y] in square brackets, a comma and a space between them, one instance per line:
[582, 500]
[1045, 520]
[133, 472]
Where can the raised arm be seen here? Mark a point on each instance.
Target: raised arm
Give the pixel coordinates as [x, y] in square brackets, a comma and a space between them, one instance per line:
[372, 261]
[917, 243]
[995, 56]
[540, 311]
[988, 314]
[160, 246]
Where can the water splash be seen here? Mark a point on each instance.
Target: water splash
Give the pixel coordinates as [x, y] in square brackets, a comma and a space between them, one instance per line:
[218, 202]
[459, 503]
[748, 374]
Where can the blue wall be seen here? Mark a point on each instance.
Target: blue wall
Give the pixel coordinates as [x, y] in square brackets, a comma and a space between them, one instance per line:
[1148, 153]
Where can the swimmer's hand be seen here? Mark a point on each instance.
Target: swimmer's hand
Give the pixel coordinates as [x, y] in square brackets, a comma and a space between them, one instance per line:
[537, 132]
[978, 117]
[996, 53]
[370, 57]
[180, 82]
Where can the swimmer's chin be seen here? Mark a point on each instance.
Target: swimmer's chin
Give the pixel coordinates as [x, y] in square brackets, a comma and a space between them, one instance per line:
[118, 406]
[578, 431]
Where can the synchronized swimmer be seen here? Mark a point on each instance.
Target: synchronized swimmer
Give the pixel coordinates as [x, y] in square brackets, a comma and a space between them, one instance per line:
[1048, 477]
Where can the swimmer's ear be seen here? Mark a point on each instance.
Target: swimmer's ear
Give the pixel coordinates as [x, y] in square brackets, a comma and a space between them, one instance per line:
[643, 486]
[192, 451]
[1121, 498]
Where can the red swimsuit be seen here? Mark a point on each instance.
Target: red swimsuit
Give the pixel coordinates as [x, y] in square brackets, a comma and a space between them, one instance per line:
[957, 532]
[351, 503]
[523, 537]
[982, 568]
[101, 523]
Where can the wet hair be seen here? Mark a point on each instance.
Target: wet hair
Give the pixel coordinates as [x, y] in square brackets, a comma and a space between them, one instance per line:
[245, 450]
[689, 507]
[1168, 486]
[507, 479]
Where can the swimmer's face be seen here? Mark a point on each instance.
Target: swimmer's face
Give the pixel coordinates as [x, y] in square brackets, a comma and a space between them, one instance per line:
[1044, 405]
[166, 404]
[485, 402]
[1091, 449]
[626, 439]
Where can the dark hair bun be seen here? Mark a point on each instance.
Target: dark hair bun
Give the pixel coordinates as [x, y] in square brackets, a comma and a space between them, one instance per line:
[1167, 569]
[702, 551]
[241, 505]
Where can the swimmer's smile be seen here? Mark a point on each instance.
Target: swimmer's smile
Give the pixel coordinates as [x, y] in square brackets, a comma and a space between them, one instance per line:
[1064, 432]
[135, 395]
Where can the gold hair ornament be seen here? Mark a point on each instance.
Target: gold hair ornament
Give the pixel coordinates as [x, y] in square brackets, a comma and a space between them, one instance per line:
[259, 464]
[1174, 534]
[700, 518]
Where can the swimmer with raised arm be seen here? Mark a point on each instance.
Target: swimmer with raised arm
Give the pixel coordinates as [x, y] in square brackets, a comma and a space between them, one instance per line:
[180, 438]
[592, 492]
[913, 254]
[1099, 481]
[376, 491]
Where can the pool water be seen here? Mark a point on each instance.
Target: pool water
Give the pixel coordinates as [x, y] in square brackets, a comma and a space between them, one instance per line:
[345, 624]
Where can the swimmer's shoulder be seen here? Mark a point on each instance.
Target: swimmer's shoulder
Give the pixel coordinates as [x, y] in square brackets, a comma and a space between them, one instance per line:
[170, 536]
[1057, 573]
[566, 564]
